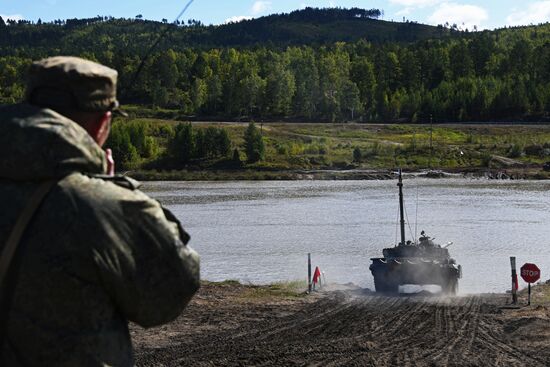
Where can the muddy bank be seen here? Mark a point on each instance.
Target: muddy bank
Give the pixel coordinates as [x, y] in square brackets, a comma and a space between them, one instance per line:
[330, 174]
[236, 325]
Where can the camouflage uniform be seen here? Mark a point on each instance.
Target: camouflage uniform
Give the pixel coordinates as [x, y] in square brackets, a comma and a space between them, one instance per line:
[98, 252]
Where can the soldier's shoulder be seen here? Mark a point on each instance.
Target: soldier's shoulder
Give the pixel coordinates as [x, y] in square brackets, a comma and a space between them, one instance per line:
[25, 114]
[119, 180]
[104, 188]
[19, 110]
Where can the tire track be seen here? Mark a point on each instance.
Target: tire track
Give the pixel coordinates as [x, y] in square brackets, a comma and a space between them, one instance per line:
[347, 329]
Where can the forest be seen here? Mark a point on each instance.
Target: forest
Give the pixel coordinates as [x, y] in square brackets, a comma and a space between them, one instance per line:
[441, 73]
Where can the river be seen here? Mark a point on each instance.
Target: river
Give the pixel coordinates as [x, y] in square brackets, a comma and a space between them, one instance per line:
[261, 232]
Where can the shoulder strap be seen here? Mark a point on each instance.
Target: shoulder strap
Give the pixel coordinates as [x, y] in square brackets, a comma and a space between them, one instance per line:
[10, 249]
[20, 226]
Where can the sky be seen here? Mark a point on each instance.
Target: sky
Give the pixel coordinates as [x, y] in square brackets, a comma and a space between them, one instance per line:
[465, 13]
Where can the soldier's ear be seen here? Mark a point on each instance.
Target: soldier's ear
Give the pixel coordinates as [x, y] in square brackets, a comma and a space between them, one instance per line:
[101, 128]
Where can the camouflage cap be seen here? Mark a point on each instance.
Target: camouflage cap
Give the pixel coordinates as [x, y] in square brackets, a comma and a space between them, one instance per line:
[73, 83]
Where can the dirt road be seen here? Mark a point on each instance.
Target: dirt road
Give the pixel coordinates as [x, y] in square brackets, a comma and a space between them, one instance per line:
[235, 325]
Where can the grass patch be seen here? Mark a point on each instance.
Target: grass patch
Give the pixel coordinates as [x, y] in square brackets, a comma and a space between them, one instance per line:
[540, 294]
[225, 283]
[301, 146]
[293, 289]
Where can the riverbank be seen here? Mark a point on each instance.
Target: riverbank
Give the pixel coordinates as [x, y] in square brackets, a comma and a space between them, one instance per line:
[529, 173]
[230, 324]
[296, 151]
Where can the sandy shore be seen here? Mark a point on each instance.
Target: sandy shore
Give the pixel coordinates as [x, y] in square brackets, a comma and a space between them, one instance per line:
[229, 324]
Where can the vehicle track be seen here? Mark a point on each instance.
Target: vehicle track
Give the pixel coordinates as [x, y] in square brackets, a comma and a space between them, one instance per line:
[343, 329]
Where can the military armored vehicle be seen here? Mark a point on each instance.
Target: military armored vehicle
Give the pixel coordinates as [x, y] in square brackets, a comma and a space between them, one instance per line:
[419, 262]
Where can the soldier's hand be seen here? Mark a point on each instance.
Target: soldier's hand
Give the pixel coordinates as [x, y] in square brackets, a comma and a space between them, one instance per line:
[110, 162]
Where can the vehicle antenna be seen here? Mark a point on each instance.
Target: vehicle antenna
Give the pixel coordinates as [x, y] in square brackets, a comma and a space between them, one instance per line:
[401, 211]
[408, 221]
[397, 225]
[159, 38]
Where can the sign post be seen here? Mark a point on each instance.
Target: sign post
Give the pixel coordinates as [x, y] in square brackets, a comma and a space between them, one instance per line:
[514, 280]
[530, 273]
[309, 272]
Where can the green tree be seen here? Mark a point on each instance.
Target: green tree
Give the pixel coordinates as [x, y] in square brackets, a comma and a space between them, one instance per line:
[254, 144]
[199, 94]
[306, 76]
[183, 144]
[214, 94]
[481, 48]
[251, 91]
[159, 95]
[151, 147]
[200, 68]
[165, 68]
[351, 101]
[357, 155]
[389, 70]
[125, 153]
[210, 141]
[461, 63]
[236, 156]
[280, 86]
[362, 73]
[334, 65]
[520, 56]
[223, 143]
[200, 144]
[410, 67]
[138, 133]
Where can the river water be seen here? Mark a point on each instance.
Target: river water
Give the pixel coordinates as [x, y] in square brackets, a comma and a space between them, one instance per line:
[261, 232]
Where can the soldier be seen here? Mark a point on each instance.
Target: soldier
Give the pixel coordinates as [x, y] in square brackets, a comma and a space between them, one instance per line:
[90, 252]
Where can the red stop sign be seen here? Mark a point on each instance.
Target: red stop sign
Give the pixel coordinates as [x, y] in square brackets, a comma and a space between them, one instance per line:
[530, 273]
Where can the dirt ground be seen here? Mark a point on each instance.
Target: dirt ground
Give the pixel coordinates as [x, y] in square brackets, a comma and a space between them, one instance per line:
[230, 324]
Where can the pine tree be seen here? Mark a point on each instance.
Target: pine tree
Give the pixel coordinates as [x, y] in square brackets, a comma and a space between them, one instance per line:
[223, 143]
[357, 155]
[236, 156]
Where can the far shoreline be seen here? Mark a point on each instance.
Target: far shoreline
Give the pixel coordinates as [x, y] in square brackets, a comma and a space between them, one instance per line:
[519, 173]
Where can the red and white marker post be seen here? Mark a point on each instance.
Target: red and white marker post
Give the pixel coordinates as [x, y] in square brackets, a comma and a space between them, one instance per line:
[514, 280]
[530, 273]
[309, 273]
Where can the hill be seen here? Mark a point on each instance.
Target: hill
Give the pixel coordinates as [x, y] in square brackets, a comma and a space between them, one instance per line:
[302, 27]
[309, 65]
[320, 26]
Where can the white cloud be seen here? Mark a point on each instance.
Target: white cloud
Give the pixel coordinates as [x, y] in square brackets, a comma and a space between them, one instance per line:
[404, 12]
[537, 12]
[411, 5]
[465, 16]
[237, 19]
[15, 17]
[260, 7]
[415, 3]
